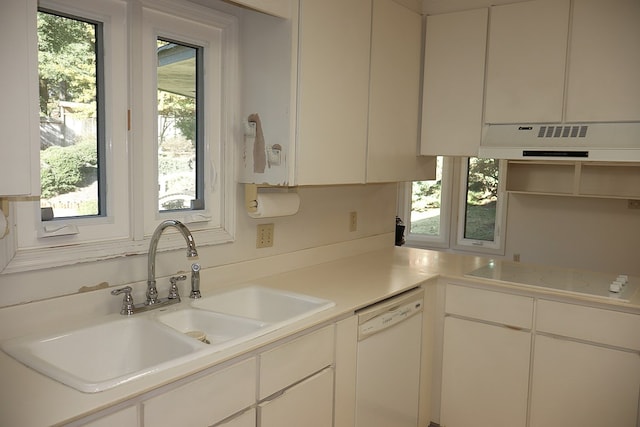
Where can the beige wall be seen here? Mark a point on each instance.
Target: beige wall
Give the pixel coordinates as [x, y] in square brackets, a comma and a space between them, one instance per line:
[323, 219]
[587, 233]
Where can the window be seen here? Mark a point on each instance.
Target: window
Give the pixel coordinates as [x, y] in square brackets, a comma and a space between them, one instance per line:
[480, 209]
[464, 201]
[179, 80]
[146, 111]
[71, 116]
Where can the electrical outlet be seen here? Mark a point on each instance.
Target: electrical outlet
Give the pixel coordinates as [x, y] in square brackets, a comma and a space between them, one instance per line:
[353, 221]
[264, 238]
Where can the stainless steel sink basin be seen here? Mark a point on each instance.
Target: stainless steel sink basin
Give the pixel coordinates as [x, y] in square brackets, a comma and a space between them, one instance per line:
[219, 330]
[98, 357]
[264, 304]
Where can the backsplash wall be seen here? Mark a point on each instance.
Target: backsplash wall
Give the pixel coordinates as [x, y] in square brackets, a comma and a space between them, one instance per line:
[323, 219]
[575, 232]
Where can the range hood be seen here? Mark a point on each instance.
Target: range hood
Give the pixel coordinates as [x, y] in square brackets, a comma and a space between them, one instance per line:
[611, 142]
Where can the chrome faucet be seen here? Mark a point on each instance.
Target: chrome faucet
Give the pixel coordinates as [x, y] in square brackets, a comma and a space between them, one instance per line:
[152, 292]
[129, 308]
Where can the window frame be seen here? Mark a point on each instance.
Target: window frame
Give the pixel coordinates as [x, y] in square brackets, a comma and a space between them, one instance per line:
[452, 212]
[444, 238]
[489, 247]
[126, 227]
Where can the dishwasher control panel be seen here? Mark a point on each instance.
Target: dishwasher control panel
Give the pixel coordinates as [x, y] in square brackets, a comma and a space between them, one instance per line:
[388, 313]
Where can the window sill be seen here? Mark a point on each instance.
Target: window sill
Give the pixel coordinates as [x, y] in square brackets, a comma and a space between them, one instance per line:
[49, 257]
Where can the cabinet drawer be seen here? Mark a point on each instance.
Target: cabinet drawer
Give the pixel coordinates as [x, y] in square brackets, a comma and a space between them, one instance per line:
[491, 306]
[205, 401]
[295, 360]
[309, 404]
[589, 324]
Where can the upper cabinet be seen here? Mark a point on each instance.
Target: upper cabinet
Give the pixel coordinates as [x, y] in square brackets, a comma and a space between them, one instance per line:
[526, 62]
[337, 98]
[455, 48]
[604, 61]
[19, 140]
[394, 90]
[550, 61]
[333, 91]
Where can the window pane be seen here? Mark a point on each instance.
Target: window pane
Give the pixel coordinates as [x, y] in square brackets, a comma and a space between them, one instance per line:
[481, 199]
[426, 201]
[178, 133]
[70, 110]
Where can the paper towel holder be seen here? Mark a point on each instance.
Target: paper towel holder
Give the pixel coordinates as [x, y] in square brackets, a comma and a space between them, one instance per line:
[251, 194]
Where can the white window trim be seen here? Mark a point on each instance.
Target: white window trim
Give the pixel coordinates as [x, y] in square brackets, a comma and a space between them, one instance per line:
[496, 246]
[190, 24]
[452, 220]
[124, 230]
[442, 240]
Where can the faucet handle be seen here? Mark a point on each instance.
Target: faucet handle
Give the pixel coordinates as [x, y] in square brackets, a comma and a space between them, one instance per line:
[127, 302]
[173, 289]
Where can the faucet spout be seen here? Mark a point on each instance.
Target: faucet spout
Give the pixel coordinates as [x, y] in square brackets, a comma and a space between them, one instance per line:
[152, 292]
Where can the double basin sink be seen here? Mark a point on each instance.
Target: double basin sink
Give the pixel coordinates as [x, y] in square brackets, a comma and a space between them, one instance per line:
[108, 353]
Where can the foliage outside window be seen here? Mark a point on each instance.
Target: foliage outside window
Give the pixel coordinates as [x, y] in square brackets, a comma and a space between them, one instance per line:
[465, 204]
[481, 199]
[70, 109]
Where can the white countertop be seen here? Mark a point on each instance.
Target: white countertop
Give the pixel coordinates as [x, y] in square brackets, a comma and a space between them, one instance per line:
[28, 398]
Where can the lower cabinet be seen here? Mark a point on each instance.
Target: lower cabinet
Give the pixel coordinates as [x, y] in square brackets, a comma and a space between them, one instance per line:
[308, 403]
[567, 365]
[485, 375]
[586, 367]
[579, 384]
[205, 401]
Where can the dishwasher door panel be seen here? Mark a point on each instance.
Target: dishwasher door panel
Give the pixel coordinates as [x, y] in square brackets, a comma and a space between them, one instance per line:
[388, 376]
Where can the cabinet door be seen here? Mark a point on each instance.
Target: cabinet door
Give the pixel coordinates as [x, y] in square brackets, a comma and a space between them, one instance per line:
[308, 404]
[526, 62]
[246, 419]
[604, 61]
[577, 384]
[392, 152]
[455, 48]
[333, 91]
[485, 375]
[127, 417]
[20, 137]
[206, 400]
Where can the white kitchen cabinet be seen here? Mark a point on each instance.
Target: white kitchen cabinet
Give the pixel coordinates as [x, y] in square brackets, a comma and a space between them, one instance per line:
[333, 91]
[486, 356]
[246, 419]
[453, 91]
[205, 401]
[19, 121]
[345, 372]
[394, 90]
[604, 61]
[586, 369]
[127, 417]
[526, 62]
[579, 384]
[308, 403]
[296, 382]
[337, 91]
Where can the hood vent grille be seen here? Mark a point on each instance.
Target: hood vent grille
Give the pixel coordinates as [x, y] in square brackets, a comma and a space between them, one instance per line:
[572, 131]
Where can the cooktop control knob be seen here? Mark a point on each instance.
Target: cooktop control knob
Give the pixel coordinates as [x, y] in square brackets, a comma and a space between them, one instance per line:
[615, 286]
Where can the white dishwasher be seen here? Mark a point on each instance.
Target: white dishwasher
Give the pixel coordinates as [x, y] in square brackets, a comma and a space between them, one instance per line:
[388, 369]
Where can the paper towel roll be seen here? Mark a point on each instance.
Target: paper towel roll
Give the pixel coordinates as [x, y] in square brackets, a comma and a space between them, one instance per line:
[276, 204]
